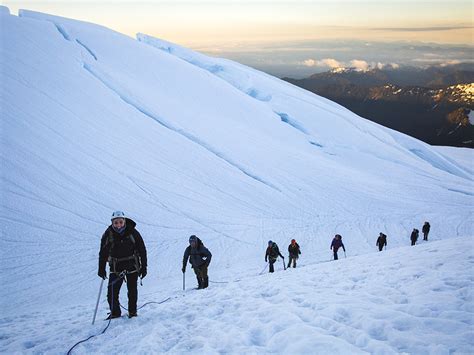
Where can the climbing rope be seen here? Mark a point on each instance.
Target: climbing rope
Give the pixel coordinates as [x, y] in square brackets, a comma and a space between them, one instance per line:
[121, 276]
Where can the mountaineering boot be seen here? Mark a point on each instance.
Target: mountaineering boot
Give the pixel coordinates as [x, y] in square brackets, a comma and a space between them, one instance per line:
[199, 282]
[112, 316]
[131, 315]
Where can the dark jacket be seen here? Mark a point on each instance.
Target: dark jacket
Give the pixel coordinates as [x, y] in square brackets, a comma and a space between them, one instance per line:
[336, 244]
[120, 246]
[273, 252]
[294, 251]
[414, 235]
[381, 240]
[426, 228]
[197, 256]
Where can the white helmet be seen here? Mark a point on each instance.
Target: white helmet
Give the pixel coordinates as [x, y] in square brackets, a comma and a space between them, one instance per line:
[117, 214]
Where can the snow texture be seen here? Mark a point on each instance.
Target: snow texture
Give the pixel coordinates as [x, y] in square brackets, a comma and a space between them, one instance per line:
[94, 121]
[415, 300]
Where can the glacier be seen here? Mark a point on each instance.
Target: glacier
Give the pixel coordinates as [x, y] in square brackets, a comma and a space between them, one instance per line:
[94, 121]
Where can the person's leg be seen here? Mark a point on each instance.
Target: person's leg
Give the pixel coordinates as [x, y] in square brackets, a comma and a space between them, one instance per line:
[294, 262]
[113, 291]
[205, 277]
[271, 265]
[289, 261]
[197, 271]
[132, 293]
[335, 255]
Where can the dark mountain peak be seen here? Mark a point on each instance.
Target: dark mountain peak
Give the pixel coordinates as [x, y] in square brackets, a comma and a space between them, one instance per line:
[431, 104]
[431, 77]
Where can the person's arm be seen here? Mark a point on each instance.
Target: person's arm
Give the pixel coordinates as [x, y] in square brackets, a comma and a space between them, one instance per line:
[103, 255]
[141, 250]
[185, 258]
[142, 254]
[208, 255]
[281, 256]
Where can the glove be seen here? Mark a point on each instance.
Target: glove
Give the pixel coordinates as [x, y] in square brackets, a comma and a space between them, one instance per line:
[183, 269]
[102, 274]
[143, 272]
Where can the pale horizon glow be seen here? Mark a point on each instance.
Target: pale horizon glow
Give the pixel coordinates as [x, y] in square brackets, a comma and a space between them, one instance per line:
[290, 38]
[204, 23]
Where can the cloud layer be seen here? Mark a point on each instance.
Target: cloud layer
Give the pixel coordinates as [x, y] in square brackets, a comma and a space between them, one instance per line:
[303, 58]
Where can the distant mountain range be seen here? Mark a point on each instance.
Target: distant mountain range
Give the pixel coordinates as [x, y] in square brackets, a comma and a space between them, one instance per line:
[435, 104]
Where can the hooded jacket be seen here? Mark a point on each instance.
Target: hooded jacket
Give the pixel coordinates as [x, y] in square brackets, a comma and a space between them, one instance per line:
[273, 252]
[381, 240]
[294, 251]
[197, 256]
[122, 245]
[426, 228]
[336, 244]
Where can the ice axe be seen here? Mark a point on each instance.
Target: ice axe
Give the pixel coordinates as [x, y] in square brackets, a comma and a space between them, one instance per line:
[98, 298]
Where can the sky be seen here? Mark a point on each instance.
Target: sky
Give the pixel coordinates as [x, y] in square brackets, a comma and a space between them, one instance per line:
[238, 29]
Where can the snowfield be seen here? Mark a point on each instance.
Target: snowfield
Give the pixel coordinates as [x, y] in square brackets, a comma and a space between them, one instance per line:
[93, 121]
[412, 300]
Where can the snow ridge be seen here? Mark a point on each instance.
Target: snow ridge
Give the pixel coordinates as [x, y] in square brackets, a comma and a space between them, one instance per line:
[139, 107]
[87, 49]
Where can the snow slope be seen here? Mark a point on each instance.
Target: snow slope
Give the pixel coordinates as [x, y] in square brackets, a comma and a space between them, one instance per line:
[411, 300]
[94, 121]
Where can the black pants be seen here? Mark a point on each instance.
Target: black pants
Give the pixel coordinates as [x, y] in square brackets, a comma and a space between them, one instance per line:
[380, 247]
[271, 262]
[201, 276]
[335, 255]
[413, 242]
[425, 235]
[113, 291]
[292, 258]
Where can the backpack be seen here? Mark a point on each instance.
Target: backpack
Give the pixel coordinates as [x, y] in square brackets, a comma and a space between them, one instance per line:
[273, 251]
[110, 243]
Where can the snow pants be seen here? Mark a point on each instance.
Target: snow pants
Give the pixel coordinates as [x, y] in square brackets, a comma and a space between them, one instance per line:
[425, 235]
[335, 255]
[201, 275]
[271, 262]
[292, 258]
[113, 291]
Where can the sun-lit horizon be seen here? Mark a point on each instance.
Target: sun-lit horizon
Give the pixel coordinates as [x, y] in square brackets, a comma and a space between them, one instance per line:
[204, 22]
[267, 34]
